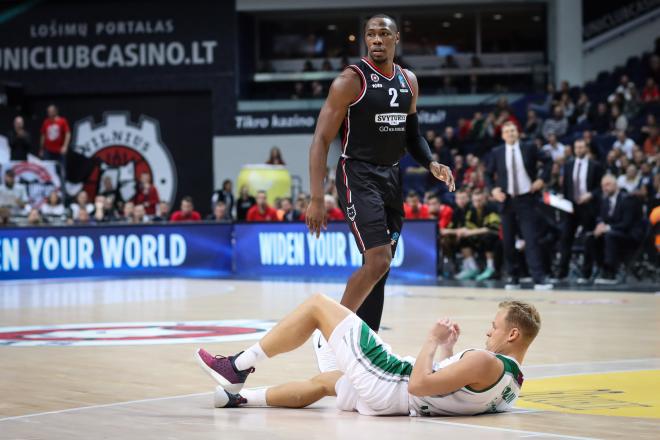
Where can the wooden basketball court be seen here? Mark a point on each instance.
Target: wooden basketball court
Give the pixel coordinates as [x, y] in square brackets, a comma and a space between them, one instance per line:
[114, 359]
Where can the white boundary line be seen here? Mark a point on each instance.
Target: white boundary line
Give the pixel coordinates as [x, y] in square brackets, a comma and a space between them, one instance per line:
[154, 399]
[517, 431]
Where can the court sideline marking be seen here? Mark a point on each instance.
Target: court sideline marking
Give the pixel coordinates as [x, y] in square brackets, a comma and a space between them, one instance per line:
[517, 431]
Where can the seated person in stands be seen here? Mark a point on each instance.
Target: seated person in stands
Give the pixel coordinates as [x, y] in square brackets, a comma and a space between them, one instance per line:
[163, 212]
[331, 209]
[619, 229]
[53, 210]
[187, 212]
[220, 213]
[287, 212]
[13, 195]
[414, 209]
[448, 235]
[262, 211]
[479, 235]
[440, 211]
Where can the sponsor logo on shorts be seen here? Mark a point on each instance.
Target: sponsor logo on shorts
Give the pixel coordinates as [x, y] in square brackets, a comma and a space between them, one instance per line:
[134, 333]
[350, 213]
[392, 119]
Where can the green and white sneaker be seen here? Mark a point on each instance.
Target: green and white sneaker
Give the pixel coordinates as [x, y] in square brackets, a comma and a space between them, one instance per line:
[467, 274]
[486, 274]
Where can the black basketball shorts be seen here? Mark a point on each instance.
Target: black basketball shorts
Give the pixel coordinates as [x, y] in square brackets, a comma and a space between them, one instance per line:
[371, 198]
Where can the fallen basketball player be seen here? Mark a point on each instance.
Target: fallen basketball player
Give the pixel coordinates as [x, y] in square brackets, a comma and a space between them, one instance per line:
[372, 380]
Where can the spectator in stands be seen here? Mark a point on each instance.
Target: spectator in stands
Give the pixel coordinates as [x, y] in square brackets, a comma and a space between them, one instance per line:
[261, 211]
[622, 89]
[140, 214]
[533, 126]
[12, 194]
[582, 109]
[619, 229]
[459, 169]
[440, 211]
[332, 212]
[55, 136]
[244, 203]
[326, 66]
[226, 195]
[298, 90]
[567, 105]
[53, 210]
[581, 185]
[308, 66]
[127, 212]
[287, 213]
[220, 213]
[652, 142]
[443, 153]
[301, 205]
[558, 124]
[82, 203]
[147, 194]
[618, 121]
[100, 214]
[450, 62]
[600, 119]
[34, 218]
[480, 235]
[504, 117]
[187, 212]
[318, 92]
[592, 149]
[544, 107]
[20, 141]
[5, 217]
[632, 106]
[414, 209]
[275, 157]
[649, 124]
[430, 136]
[554, 148]
[623, 143]
[83, 218]
[630, 180]
[451, 140]
[449, 234]
[448, 87]
[163, 212]
[650, 92]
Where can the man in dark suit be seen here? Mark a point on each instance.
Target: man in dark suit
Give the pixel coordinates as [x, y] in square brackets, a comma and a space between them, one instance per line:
[619, 230]
[581, 186]
[516, 187]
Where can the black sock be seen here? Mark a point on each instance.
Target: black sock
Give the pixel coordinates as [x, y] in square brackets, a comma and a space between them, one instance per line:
[371, 309]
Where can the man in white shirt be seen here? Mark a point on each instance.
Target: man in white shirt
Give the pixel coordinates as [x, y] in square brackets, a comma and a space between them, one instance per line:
[554, 148]
[624, 144]
[12, 194]
[581, 186]
[513, 178]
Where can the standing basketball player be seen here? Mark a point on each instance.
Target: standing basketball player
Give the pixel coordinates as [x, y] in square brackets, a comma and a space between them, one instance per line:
[375, 101]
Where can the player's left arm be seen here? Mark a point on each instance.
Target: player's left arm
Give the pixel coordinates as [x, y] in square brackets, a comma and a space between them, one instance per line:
[416, 144]
[477, 369]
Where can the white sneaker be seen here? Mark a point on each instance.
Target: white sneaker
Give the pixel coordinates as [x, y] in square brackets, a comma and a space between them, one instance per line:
[325, 357]
[544, 286]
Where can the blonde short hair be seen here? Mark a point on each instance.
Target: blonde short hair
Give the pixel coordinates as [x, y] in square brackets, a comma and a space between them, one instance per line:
[524, 317]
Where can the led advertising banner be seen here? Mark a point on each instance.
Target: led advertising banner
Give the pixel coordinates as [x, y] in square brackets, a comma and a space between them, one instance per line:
[202, 250]
[288, 250]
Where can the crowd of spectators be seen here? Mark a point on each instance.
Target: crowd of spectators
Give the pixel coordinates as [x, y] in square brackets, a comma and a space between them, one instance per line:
[619, 129]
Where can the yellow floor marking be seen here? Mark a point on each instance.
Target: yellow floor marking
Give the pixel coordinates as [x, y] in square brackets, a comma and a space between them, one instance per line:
[627, 394]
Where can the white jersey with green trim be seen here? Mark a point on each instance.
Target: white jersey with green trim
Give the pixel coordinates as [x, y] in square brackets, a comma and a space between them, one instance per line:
[499, 397]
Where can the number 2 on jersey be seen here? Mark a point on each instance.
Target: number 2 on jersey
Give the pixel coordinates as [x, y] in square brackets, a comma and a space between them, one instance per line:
[394, 95]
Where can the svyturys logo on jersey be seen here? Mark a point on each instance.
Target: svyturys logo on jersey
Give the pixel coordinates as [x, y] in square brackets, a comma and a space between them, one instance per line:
[393, 119]
[123, 151]
[134, 333]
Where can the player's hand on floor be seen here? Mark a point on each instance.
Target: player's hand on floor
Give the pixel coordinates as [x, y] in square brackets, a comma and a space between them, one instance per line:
[443, 173]
[316, 217]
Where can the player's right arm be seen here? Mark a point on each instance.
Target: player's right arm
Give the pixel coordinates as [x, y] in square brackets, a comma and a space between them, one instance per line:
[344, 90]
[477, 369]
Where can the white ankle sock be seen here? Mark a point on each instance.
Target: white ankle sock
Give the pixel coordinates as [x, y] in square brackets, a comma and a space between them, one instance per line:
[255, 396]
[250, 357]
[490, 264]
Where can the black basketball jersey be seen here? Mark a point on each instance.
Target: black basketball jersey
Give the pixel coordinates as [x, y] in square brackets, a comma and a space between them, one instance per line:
[375, 126]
